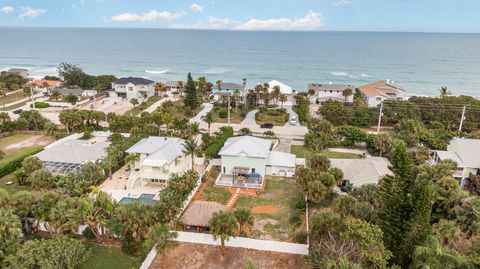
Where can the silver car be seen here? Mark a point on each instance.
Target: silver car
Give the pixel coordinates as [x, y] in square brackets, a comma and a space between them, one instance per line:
[293, 120]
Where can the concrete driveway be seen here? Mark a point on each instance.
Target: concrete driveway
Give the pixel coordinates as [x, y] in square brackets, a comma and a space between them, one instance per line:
[207, 107]
[250, 118]
[292, 113]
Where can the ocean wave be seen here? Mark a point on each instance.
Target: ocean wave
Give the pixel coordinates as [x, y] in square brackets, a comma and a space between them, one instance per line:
[157, 72]
[215, 71]
[343, 74]
[364, 75]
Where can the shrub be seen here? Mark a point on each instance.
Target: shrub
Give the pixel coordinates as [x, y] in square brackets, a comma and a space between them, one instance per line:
[223, 114]
[41, 105]
[87, 232]
[8, 166]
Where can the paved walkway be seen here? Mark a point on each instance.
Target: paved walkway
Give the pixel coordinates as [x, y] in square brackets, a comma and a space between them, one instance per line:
[242, 242]
[198, 118]
[292, 113]
[250, 118]
[233, 198]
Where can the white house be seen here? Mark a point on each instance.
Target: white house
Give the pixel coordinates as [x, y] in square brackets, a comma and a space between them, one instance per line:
[134, 88]
[358, 172]
[284, 89]
[329, 91]
[463, 151]
[158, 158]
[246, 160]
[376, 92]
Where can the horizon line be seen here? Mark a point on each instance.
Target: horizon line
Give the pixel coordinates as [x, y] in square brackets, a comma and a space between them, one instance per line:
[236, 30]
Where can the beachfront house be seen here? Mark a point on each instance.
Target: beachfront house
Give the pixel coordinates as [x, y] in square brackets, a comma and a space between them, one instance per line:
[284, 88]
[67, 155]
[376, 92]
[134, 88]
[358, 172]
[172, 86]
[228, 88]
[247, 160]
[329, 91]
[463, 151]
[158, 158]
[46, 84]
[19, 72]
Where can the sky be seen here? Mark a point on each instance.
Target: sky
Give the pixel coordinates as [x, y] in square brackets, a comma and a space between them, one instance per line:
[449, 16]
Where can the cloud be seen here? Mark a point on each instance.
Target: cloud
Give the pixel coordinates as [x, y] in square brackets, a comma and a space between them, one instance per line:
[6, 9]
[29, 12]
[197, 8]
[211, 23]
[149, 16]
[340, 2]
[312, 20]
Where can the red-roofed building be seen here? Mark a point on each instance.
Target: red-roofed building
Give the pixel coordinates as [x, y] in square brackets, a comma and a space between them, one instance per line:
[41, 84]
[376, 92]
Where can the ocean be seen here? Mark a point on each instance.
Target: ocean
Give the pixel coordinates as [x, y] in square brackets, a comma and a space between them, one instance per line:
[420, 62]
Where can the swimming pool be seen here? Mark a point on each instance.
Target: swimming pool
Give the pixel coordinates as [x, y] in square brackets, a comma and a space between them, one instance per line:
[144, 198]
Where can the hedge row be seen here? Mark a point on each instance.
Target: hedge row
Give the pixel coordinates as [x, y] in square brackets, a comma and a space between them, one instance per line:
[9, 166]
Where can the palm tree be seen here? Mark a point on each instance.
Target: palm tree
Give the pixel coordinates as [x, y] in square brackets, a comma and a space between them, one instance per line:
[283, 99]
[134, 102]
[236, 95]
[244, 218]
[258, 90]
[208, 118]
[180, 86]
[159, 86]
[25, 203]
[444, 92]
[192, 148]
[276, 93]
[161, 237]
[55, 95]
[136, 220]
[224, 225]
[430, 255]
[194, 129]
[131, 159]
[10, 231]
[347, 93]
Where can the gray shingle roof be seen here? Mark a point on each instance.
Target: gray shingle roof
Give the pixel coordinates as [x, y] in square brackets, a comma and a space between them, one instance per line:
[74, 151]
[230, 86]
[248, 145]
[358, 170]
[134, 80]
[329, 87]
[276, 158]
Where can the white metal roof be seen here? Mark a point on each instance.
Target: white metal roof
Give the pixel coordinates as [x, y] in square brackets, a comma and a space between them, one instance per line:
[159, 150]
[284, 89]
[277, 158]
[469, 151]
[450, 155]
[246, 145]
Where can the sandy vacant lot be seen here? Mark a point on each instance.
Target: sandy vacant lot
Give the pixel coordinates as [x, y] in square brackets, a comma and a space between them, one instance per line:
[20, 141]
[197, 256]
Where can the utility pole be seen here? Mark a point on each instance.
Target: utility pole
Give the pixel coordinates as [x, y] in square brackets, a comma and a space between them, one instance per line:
[463, 118]
[31, 96]
[380, 117]
[228, 109]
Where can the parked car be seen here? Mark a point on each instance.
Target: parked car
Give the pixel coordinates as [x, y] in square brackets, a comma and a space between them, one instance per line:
[266, 126]
[293, 120]
[18, 111]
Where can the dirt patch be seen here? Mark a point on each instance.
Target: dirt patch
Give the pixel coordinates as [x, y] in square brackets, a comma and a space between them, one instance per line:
[198, 256]
[33, 141]
[265, 209]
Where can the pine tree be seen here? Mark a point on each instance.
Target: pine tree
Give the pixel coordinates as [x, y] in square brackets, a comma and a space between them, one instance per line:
[405, 214]
[191, 96]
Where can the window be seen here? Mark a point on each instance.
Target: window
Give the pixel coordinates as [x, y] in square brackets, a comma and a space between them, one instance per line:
[253, 170]
[379, 98]
[224, 169]
[130, 88]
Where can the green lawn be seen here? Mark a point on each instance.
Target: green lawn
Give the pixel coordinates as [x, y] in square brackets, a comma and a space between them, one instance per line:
[213, 194]
[13, 107]
[236, 115]
[288, 221]
[215, 172]
[303, 152]
[179, 110]
[11, 188]
[13, 97]
[141, 107]
[272, 116]
[104, 257]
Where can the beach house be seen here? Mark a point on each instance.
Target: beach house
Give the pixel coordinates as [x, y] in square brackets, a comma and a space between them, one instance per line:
[329, 91]
[358, 172]
[247, 160]
[67, 155]
[228, 88]
[19, 72]
[134, 88]
[463, 151]
[284, 88]
[376, 92]
[158, 157]
[42, 84]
